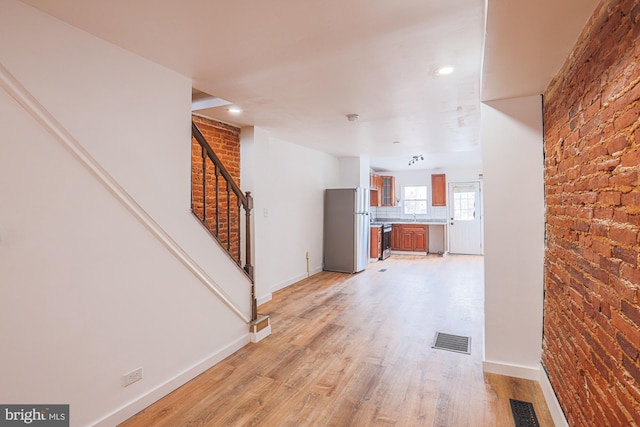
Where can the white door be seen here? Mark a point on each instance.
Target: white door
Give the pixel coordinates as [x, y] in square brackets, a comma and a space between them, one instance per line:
[465, 218]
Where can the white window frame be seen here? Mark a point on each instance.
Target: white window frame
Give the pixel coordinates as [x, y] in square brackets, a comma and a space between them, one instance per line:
[425, 200]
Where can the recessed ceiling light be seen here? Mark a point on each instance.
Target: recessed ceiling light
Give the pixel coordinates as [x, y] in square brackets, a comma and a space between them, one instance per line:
[444, 71]
[396, 142]
[234, 110]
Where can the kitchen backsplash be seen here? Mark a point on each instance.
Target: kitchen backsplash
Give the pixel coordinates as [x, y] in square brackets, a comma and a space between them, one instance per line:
[434, 212]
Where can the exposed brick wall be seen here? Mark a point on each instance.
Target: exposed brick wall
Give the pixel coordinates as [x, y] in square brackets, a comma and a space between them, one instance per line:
[591, 344]
[225, 141]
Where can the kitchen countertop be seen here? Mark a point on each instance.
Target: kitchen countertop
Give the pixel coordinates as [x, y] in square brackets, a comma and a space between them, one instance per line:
[433, 221]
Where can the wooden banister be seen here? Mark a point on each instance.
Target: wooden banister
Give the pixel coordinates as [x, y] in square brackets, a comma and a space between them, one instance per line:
[216, 161]
[224, 216]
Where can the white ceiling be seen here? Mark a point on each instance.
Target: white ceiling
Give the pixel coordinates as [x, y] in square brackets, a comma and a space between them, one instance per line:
[297, 68]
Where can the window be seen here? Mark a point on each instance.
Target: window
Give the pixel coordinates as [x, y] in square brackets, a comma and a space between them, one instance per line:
[415, 199]
[464, 206]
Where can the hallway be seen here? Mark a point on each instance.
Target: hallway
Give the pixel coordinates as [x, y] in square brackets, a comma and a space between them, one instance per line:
[356, 350]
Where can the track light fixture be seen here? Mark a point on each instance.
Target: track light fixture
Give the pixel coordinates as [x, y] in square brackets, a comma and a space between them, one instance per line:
[415, 159]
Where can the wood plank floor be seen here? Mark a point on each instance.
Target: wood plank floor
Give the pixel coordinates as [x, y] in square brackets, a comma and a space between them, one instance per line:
[356, 350]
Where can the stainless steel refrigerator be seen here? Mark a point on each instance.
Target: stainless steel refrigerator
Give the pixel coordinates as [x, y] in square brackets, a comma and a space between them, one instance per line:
[346, 229]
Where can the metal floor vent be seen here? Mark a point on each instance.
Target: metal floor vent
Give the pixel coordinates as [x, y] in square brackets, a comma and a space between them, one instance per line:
[382, 270]
[450, 342]
[523, 413]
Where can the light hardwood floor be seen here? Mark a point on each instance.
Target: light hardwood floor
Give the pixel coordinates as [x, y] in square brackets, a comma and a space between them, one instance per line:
[355, 350]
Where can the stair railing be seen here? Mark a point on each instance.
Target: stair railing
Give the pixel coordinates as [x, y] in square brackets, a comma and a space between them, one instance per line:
[219, 188]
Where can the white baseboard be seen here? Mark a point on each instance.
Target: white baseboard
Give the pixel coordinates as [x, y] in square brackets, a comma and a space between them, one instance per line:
[408, 253]
[518, 371]
[552, 400]
[265, 298]
[130, 409]
[528, 373]
[286, 283]
[295, 279]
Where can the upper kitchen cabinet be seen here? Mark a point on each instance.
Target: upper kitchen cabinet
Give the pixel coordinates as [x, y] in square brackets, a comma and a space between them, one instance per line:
[374, 181]
[388, 190]
[375, 196]
[438, 190]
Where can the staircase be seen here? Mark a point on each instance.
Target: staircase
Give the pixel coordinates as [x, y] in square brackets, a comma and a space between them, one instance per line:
[220, 205]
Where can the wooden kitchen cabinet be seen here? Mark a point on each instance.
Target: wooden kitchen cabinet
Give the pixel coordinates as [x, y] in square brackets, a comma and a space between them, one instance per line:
[374, 198]
[409, 237]
[374, 181]
[388, 184]
[438, 190]
[375, 191]
[376, 243]
[395, 237]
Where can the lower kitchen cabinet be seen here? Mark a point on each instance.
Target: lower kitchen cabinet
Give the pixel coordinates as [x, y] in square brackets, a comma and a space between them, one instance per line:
[376, 243]
[395, 237]
[409, 237]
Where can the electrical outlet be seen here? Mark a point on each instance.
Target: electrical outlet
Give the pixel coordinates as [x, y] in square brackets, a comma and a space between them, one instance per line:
[132, 377]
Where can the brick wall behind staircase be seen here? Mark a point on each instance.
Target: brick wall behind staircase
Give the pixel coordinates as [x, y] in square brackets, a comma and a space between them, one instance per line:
[225, 141]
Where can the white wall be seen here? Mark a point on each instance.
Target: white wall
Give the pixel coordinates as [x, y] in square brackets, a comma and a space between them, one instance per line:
[87, 292]
[288, 183]
[353, 172]
[514, 235]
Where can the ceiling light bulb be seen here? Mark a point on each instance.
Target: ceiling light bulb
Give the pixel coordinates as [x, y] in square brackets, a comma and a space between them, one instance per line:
[444, 71]
[234, 110]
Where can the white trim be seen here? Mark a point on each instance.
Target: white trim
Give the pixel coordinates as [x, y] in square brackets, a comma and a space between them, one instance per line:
[260, 335]
[18, 92]
[526, 372]
[295, 279]
[265, 299]
[552, 400]
[393, 252]
[535, 374]
[130, 409]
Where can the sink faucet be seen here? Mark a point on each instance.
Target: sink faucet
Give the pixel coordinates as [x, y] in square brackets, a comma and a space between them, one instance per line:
[414, 217]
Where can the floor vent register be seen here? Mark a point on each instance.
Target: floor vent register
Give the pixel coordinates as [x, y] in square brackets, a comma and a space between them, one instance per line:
[450, 342]
[523, 413]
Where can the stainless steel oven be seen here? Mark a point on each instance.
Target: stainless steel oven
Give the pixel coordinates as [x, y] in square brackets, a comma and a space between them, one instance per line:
[386, 241]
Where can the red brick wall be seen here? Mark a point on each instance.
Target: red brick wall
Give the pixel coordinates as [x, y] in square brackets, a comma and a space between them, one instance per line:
[591, 344]
[225, 141]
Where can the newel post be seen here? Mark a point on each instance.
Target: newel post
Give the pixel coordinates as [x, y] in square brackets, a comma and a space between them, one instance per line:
[248, 264]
